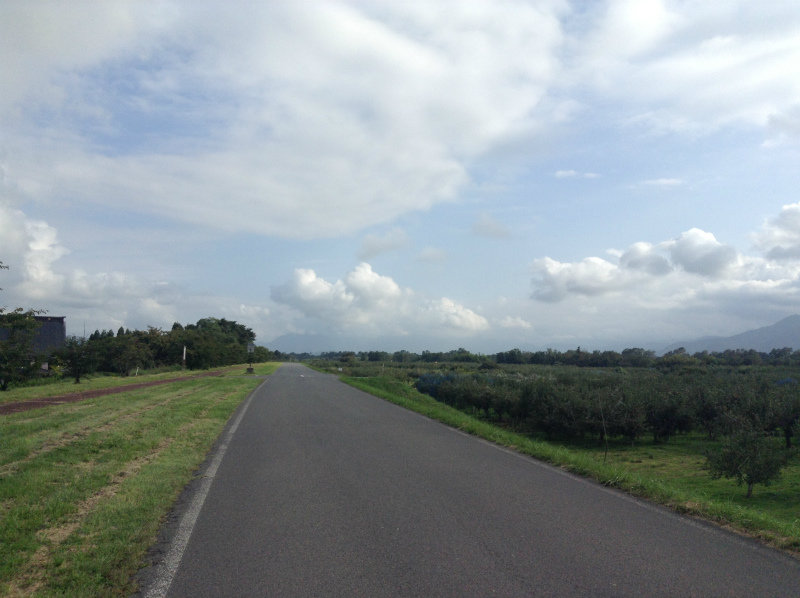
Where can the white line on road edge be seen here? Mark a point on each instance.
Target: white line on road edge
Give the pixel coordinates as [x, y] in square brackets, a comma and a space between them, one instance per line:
[166, 570]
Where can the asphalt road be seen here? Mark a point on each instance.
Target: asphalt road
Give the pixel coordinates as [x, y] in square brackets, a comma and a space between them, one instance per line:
[327, 491]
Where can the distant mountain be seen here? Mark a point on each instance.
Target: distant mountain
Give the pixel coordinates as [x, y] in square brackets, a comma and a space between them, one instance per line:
[785, 333]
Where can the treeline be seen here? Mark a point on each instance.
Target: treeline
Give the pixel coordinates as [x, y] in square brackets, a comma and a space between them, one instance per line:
[632, 357]
[637, 357]
[570, 404]
[211, 342]
[457, 355]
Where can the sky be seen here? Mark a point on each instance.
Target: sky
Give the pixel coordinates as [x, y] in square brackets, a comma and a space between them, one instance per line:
[415, 175]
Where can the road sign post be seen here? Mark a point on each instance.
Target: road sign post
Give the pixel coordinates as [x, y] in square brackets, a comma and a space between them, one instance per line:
[251, 347]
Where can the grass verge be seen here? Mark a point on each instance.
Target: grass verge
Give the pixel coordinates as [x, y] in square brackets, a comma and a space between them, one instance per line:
[84, 487]
[66, 385]
[625, 469]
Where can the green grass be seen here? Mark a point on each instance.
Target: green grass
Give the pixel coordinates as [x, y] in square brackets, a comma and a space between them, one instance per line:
[670, 474]
[66, 385]
[259, 369]
[84, 487]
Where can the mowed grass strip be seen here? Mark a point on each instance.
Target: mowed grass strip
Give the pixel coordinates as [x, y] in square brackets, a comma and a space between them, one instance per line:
[670, 473]
[84, 487]
[66, 385]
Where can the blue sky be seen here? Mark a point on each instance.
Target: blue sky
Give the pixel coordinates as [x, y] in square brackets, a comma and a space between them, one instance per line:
[404, 175]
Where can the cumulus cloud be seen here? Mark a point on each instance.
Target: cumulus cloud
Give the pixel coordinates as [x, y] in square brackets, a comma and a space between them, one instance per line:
[779, 237]
[592, 276]
[486, 226]
[446, 314]
[698, 252]
[373, 245]
[644, 257]
[690, 280]
[694, 252]
[367, 302]
[30, 248]
[38, 279]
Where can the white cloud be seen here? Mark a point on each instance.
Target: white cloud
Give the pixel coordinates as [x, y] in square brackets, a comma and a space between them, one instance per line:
[486, 226]
[644, 257]
[571, 174]
[447, 314]
[30, 247]
[779, 237]
[373, 245]
[302, 120]
[514, 322]
[694, 66]
[592, 276]
[694, 252]
[369, 303]
[37, 42]
[37, 279]
[684, 287]
[698, 252]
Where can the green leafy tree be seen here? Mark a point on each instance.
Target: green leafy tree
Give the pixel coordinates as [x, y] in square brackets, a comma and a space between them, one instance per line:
[18, 361]
[78, 357]
[750, 457]
[262, 355]
[130, 354]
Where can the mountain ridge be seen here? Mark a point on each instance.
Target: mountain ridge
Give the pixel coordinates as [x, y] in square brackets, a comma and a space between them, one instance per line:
[784, 333]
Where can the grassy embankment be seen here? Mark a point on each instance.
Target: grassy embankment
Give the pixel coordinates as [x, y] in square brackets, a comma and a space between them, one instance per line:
[669, 473]
[64, 385]
[84, 487]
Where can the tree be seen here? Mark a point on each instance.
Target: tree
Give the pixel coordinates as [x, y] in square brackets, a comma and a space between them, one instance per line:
[262, 355]
[79, 358]
[637, 357]
[17, 359]
[17, 329]
[785, 409]
[129, 353]
[750, 457]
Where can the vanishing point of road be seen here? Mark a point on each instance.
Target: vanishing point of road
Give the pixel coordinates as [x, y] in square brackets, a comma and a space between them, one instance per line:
[322, 490]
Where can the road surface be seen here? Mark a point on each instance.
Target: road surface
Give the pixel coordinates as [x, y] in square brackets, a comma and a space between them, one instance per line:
[327, 491]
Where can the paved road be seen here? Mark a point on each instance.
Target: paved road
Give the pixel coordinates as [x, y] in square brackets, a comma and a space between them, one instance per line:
[327, 491]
